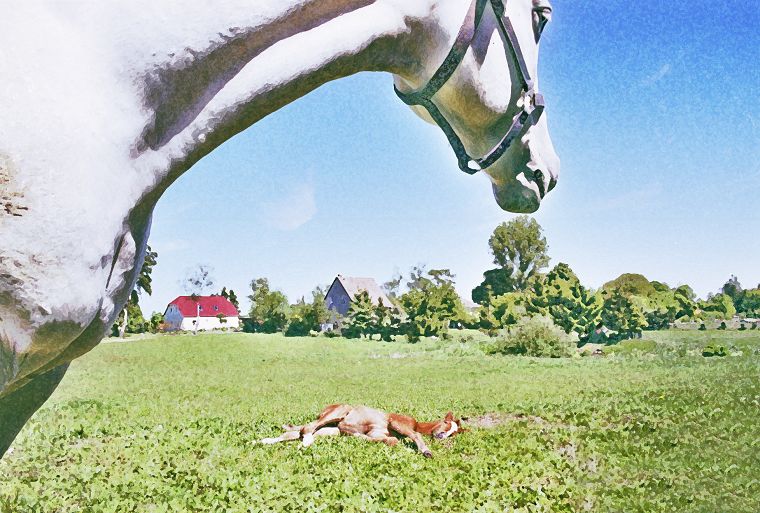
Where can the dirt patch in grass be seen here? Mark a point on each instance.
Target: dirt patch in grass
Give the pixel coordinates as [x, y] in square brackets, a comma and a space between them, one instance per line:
[494, 420]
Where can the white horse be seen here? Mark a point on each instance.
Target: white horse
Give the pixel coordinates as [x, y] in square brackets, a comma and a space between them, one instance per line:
[104, 103]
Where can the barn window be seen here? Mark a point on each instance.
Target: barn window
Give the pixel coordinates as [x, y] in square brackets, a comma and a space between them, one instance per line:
[216, 307]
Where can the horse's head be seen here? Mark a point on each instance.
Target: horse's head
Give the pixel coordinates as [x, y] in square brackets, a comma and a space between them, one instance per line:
[480, 86]
[449, 426]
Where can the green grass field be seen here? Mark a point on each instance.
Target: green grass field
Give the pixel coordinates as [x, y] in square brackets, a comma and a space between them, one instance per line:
[167, 424]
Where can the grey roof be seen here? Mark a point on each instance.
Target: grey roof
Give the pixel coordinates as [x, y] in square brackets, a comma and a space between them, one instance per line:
[354, 285]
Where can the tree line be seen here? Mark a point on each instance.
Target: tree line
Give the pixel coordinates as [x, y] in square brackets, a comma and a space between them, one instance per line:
[520, 286]
[427, 307]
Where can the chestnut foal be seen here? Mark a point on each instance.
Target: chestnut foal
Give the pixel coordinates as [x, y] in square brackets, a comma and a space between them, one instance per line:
[369, 424]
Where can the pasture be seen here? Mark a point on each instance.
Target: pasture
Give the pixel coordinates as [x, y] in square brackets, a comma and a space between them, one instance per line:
[166, 423]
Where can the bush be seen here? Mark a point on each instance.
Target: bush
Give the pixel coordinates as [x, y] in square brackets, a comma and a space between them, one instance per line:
[702, 327]
[722, 325]
[536, 336]
[714, 350]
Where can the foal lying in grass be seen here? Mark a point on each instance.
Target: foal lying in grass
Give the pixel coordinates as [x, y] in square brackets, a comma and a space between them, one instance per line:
[369, 424]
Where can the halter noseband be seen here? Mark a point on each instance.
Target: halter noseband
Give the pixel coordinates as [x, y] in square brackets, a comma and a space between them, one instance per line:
[532, 101]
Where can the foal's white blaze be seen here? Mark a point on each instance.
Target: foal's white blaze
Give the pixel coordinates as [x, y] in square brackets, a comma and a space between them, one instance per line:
[454, 428]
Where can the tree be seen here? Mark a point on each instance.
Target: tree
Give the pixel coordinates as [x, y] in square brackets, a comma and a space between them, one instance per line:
[391, 287]
[144, 279]
[233, 299]
[687, 292]
[387, 320]
[230, 296]
[306, 317]
[131, 315]
[496, 282]
[430, 304]
[360, 317]
[198, 280]
[503, 311]
[561, 296]
[719, 306]
[621, 314]
[155, 322]
[132, 320]
[520, 248]
[733, 289]
[269, 308]
[685, 296]
[417, 277]
[661, 317]
[630, 284]
[750, 303]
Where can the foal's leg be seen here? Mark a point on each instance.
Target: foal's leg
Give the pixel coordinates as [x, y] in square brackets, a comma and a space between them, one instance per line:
[331, 415]
[285, 437]
[18, 406]
[377, 437]
[403, 429]
[296, 435]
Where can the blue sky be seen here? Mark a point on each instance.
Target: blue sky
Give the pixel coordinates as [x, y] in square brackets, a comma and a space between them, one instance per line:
[653, 108]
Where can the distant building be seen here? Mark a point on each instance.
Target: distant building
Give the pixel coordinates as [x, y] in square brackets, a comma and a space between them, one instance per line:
[341, 293]
[190, 313]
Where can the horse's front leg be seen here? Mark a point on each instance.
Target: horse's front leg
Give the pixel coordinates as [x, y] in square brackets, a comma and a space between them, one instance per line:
[54, 307]
[18, 406]
[405, 430]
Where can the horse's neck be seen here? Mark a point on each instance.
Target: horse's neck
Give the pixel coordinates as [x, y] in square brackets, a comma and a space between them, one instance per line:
[425, 428]
[206, 95]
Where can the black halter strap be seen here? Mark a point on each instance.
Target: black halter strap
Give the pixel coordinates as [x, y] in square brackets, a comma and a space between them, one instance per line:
[533, 103]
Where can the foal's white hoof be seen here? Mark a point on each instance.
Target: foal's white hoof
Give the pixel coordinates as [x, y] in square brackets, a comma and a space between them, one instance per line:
[308, 439]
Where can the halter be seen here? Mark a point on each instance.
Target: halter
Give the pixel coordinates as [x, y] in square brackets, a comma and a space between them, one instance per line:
[532, 101]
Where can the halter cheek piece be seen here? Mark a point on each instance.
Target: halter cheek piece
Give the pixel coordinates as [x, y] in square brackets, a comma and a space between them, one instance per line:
[532, 102]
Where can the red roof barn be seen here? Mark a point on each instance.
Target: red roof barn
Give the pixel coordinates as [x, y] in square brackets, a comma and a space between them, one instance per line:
[201, 313]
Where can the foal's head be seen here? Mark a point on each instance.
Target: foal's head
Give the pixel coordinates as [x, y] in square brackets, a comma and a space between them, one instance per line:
[449, 426]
